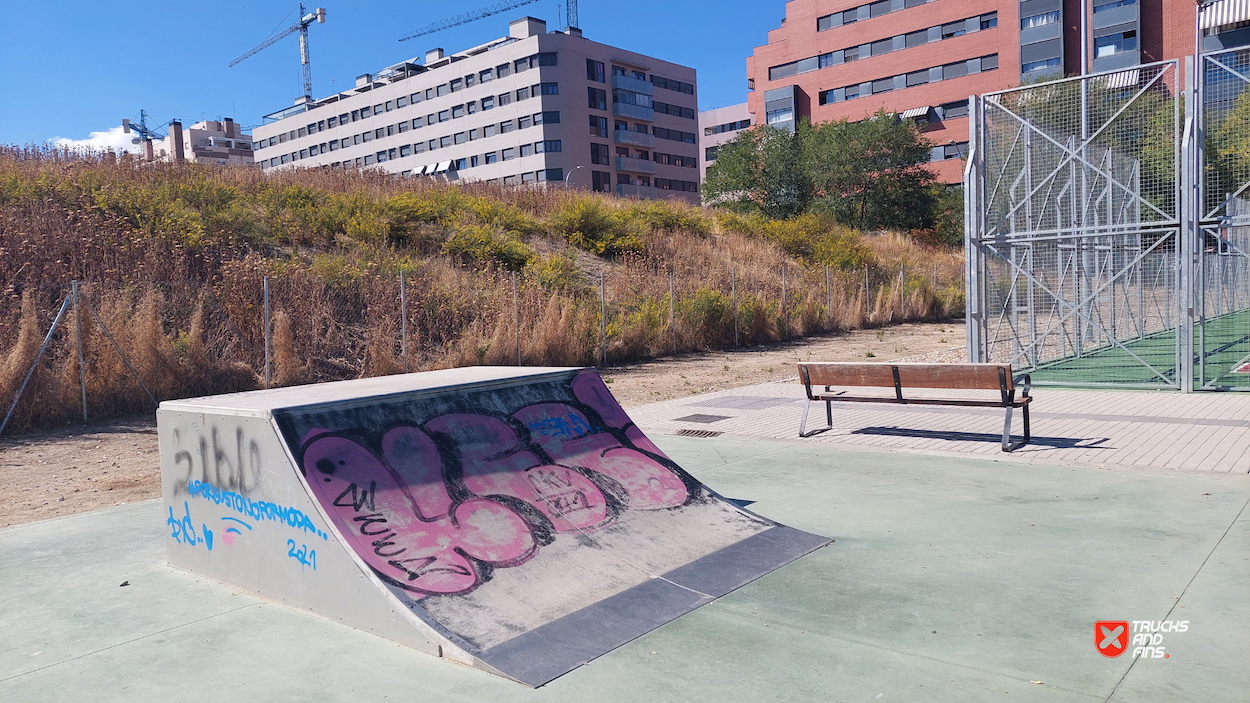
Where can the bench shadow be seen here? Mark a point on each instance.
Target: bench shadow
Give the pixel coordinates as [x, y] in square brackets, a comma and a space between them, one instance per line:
[1052, 442]
[740, 502]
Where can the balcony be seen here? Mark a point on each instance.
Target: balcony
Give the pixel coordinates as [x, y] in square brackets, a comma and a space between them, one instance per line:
[642, 139]
[631, 191]
[633, 112]
[624, 163]
[634, 84]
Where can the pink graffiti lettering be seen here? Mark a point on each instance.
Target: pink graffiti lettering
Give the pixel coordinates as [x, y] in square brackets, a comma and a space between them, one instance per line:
[400, 520]
[495, 464]
[565, 435]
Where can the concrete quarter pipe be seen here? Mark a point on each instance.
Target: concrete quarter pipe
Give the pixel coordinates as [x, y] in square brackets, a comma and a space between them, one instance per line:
[511, 519]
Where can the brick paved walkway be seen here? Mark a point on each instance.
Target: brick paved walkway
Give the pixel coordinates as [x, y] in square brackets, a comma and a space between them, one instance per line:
[1105, 429]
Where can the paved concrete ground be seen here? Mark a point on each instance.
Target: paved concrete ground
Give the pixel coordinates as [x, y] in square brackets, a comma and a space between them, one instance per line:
[950, 580]
[1104, 429]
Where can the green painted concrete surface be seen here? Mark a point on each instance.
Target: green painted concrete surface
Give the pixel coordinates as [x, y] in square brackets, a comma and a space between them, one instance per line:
[1223, 344]
[950, 580]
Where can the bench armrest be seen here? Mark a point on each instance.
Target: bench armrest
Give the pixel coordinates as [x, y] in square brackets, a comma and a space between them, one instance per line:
[1025, 381]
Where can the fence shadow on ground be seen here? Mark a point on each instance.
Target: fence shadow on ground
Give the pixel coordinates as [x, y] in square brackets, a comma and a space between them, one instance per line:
[1051, 442]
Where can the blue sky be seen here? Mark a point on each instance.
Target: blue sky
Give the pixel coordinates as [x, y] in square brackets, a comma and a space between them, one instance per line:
[68, 69]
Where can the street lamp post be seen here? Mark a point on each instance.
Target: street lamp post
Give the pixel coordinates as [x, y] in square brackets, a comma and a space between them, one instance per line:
[566, 178]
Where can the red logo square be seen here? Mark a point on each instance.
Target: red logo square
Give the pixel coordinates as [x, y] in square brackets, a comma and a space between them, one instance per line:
[1111, 637]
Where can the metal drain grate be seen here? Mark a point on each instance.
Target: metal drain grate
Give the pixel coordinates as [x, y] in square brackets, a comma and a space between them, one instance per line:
[698, 433]
[701, 418]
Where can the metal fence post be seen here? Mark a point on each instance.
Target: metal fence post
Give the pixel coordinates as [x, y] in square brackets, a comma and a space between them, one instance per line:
[268, 376]
[672, 314]
[902, 302]
[828, 297]
[783, 303]
[603, 320]
[867, 298]
[516, 319]
[403, 319]
[82, 363]
[733, 287]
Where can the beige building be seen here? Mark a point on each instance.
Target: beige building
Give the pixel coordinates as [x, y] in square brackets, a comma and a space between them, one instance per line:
[205, 142]
[718, 126]
[531, 107]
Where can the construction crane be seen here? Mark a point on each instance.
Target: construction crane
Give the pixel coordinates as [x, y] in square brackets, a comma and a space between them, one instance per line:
[482, 12]
[142, 129]
[319, 16]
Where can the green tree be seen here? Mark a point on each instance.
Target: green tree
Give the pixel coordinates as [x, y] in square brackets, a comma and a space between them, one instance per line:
[871, 174]
[761, 171]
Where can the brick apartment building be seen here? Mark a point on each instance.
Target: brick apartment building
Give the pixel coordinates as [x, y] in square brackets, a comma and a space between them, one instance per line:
[834, 59]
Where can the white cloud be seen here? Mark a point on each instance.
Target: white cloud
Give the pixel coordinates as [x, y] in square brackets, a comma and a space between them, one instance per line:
[114, 139]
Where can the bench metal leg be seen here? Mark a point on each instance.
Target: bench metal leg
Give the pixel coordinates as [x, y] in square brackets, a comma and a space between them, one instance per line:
[1008, 445]
[828, 417]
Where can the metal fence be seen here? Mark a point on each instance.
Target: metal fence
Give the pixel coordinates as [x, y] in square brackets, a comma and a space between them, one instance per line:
[1107, 236]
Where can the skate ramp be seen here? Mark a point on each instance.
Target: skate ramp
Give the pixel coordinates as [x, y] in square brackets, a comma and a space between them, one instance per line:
[511, 519]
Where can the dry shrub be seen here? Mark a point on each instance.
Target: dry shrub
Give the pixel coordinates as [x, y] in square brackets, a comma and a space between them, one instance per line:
[175, 259]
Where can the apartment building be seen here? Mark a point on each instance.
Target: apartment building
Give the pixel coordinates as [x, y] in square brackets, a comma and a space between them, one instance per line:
[921, 60]
[204, 142]
[718, 126]
[532, 107]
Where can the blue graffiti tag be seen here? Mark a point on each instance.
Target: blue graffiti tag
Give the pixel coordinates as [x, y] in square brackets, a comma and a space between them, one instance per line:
[183, 530]
[570, 426]
[303, 555]
[255, 509]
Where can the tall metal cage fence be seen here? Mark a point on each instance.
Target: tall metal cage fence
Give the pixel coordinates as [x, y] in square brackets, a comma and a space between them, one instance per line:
[1108, 225]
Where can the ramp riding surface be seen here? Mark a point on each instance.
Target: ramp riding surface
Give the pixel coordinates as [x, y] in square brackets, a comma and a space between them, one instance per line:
[511, 519]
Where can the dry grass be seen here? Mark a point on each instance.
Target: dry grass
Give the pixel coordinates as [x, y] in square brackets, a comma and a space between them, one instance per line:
[174, 260]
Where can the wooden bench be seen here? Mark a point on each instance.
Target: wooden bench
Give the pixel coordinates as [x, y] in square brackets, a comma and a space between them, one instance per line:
[995, 377]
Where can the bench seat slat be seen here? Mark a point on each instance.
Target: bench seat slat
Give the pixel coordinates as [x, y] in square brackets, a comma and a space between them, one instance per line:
[1017, 403]
[952, 376]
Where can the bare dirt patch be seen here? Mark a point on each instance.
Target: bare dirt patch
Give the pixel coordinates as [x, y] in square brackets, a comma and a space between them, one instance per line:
[689, 374]
[76, 470]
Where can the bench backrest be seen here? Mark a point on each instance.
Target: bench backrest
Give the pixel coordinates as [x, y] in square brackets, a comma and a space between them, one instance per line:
[965, 376]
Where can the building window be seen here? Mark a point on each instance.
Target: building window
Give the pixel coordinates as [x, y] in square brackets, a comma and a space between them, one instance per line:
[506, 126]
[989, 21]
[404, 127]
[1040, 65]
[444, 142]
[598, 126]
[503, 70]
[490, 130]
[505, 99]
[334, 145]
[527, 150]
[418, 122]
[369, 159]
[547, 117]
[471, 107]
[444, 115]
[473, 161]
[523, 93]
[1113, 44]
[460, 138]
[1041, 20]
[594, 71]
[549, 88]
[600, 182]
[778, 116]
[491, 157]
[597, 99]
[457, 111]
[1112, 5]
[547, 58]
[457, 85]
[709, 154]
[366, 137]
[509, 154]
[401, 101]
[442, 90]
[488, 103]
[418, 148]
[552, 145]
[459, 164]
[405, 150]
[381, 156]
[415, 98]
[599, 154]
[475, 134]
[486, 76]
[524, 122]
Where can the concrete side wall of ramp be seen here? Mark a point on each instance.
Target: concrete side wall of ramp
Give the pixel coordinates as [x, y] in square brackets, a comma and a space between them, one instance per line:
[513, 519]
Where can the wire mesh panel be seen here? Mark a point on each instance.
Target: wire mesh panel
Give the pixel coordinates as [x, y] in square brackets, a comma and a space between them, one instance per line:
[1222, 278]
[1074, 229]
